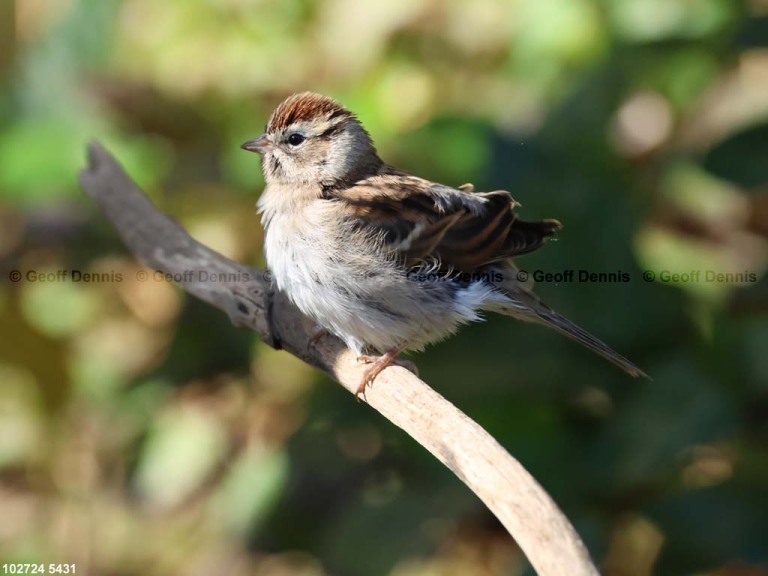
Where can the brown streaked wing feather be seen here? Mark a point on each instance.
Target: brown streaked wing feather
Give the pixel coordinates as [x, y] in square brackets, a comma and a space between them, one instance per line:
[424, 221]
[428, 241]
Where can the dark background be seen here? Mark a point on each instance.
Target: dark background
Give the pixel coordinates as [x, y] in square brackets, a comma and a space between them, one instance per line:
[141, 433]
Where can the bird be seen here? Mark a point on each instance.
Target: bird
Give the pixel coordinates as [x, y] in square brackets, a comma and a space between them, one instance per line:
[387, 261]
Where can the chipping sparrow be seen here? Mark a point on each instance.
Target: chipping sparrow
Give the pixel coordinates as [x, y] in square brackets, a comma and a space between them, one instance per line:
[385, 260]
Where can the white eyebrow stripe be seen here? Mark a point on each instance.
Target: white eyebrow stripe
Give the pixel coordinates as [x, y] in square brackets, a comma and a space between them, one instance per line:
[312, 128]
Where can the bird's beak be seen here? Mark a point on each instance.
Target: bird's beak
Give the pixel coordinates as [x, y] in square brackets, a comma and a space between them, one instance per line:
[260, 145]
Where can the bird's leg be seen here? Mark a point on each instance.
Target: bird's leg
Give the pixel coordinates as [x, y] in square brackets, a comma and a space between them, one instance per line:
[317, 334]
[377, 364]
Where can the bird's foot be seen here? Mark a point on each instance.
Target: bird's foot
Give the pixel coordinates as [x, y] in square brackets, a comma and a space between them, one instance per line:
[377, 364]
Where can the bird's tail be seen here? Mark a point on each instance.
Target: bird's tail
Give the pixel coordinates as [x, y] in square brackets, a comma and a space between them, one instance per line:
[525, 305]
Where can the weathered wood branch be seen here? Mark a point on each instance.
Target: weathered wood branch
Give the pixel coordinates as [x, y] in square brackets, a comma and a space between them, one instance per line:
[510, 492]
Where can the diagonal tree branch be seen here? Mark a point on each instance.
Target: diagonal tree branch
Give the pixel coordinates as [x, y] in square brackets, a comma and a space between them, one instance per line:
[510, 492]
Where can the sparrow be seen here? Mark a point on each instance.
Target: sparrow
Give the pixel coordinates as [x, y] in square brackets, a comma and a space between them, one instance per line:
[387, 261]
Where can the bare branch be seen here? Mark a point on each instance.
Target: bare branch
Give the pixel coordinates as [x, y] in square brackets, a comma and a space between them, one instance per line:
[524, 508]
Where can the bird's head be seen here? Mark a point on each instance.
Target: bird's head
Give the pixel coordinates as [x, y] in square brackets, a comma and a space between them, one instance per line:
[312, 139]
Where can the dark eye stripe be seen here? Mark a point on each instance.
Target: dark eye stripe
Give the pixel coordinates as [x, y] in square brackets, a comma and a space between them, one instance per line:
[330, 131]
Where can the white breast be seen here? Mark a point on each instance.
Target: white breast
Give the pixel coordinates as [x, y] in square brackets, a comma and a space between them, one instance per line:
[315, 270]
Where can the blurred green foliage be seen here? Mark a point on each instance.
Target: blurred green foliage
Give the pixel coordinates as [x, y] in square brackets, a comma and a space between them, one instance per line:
[140, 433]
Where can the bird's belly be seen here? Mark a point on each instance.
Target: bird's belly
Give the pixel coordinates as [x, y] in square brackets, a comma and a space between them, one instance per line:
[364, 299]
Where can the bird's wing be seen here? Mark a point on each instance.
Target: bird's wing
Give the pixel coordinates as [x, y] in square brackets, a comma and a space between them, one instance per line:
[422, 221]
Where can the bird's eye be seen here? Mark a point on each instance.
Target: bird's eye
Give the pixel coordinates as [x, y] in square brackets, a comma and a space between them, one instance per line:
[295, 139]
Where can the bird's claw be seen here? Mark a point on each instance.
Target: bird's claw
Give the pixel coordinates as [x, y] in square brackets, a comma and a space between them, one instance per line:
[377, 366]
